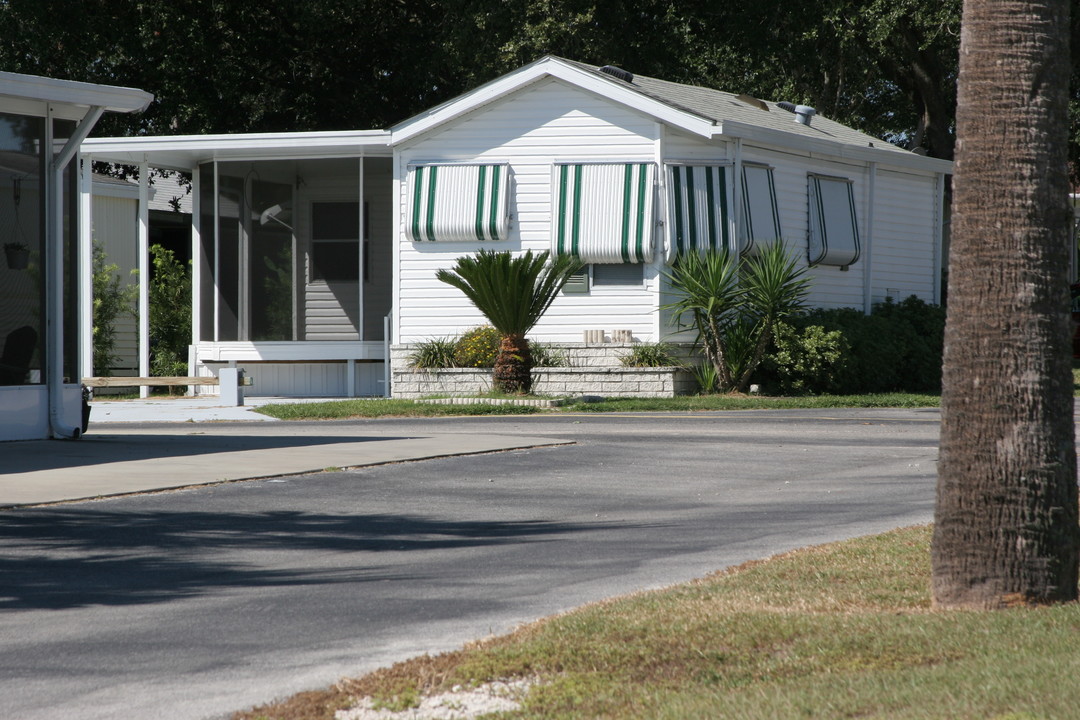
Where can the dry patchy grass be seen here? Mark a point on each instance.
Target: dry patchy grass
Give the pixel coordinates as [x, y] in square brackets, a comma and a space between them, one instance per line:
[842, 630]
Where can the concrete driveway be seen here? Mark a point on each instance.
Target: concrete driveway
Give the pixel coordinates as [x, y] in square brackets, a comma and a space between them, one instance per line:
[193, 603]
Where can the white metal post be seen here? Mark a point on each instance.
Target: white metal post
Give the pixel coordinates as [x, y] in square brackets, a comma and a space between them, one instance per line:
[144, 274]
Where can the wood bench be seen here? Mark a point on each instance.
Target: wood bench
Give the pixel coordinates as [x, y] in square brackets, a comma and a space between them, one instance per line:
[170, 381]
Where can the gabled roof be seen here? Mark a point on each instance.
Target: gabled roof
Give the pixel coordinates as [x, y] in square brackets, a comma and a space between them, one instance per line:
[701, 111]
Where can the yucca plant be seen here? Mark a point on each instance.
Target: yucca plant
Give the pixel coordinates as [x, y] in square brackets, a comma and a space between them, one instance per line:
[513, 293]
[734, 304]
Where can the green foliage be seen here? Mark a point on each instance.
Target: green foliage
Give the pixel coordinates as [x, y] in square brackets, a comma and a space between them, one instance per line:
[546, 356]
[477, 348]
[706, 377]
[805, 361]
[434, 353]
[734, 303]
[112, 300]
[658, 354]
[898, 347]
[170, 314]
[513, 293]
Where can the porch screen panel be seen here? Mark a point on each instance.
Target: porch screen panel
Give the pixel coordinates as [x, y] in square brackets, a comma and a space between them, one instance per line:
[698, 217]
[603, 213]
[834, 229]
[760, 218]
[457, 203]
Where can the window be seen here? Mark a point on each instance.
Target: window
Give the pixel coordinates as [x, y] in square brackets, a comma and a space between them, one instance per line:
[621, 275]
[603, 212]
[697, 208]
[335, 246]
[760, 219]
[834, 229]
[457, 203]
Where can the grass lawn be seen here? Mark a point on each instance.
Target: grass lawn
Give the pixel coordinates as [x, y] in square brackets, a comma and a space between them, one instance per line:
[379, 407]
[842, 630]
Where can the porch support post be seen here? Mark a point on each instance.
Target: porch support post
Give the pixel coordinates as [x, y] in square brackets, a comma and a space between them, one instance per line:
[86, 268]
[196, 274]
[144, 274]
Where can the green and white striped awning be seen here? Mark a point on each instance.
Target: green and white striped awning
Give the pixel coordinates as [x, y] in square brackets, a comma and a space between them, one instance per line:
[457, 203]
[834, 228]
[698, 201]
[603, 212]
[760, 219]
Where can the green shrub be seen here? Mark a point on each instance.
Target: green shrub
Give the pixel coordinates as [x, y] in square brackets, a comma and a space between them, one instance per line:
[657, 354]
[433, 354]
[897, 347]
[806, 362]
[170, 313]
[112, 299]
[544, 355]
[478, 348]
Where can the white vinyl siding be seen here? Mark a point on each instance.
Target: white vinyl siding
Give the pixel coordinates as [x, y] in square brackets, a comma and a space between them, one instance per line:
[603, 213]
[760, 216]
[532, 130]
[698, 200]
[457, 203]
[834, 230]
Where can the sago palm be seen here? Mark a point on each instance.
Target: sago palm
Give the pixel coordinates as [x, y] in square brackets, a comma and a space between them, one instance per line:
[513, 293]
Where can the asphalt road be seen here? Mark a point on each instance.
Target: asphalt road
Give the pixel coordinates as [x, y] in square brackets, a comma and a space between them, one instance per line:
[191, 604]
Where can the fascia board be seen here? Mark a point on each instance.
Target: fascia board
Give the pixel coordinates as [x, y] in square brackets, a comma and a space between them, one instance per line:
[831, 148]
[185, 152]
[539, 70]
[69, 92]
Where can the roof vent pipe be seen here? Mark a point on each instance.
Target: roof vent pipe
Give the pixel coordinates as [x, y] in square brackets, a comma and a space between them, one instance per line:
[624, 75]
[804, 113]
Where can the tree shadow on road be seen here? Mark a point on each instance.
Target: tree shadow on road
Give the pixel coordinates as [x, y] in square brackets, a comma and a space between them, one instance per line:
[55, 559]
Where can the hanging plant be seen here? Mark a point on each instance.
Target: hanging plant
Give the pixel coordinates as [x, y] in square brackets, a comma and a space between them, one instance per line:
[18, 256]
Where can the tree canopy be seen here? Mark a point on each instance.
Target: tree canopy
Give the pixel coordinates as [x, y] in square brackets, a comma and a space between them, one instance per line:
[887, 67]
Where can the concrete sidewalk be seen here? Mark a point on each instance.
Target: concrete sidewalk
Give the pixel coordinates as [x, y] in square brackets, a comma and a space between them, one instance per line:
[117, 457]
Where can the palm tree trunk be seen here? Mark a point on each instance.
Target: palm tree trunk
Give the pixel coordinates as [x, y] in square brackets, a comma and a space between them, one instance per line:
[513, 366]
[1006, 521]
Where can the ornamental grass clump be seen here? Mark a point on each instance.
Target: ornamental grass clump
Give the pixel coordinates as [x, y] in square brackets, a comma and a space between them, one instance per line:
[513, 293]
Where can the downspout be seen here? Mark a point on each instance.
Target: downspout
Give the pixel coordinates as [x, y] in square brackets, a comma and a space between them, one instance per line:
[737, 197]
[868, 251]
[54, 266]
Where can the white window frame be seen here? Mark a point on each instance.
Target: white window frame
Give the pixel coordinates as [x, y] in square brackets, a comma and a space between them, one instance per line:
[760, 217]
[833, 237]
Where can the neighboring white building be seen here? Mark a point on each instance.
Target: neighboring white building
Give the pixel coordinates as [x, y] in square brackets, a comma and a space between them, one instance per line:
[42, 123]
[305, 242]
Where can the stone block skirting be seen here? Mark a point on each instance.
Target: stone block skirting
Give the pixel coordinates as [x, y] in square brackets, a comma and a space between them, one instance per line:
[606, 382]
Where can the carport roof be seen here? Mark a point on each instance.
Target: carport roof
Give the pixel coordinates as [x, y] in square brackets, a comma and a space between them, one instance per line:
[185, 152]
[32, 94]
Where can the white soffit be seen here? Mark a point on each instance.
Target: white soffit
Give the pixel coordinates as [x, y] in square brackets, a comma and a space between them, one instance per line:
[543, 68]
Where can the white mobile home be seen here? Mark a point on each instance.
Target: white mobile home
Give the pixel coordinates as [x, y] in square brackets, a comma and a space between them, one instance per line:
[305, 242]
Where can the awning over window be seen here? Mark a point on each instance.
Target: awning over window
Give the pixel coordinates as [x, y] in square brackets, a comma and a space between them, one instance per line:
[834, 229]
[457, 203]
[760, 219]
[603, 212]
[698, 201]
